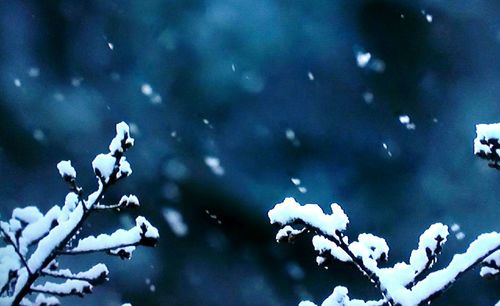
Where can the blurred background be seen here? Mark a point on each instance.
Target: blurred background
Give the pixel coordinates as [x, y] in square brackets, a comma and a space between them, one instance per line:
[237, 104]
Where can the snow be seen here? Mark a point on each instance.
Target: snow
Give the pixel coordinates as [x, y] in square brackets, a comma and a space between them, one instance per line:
[66, 170]
[34, 72]
[130, 200]
[54, 238]
[124, 253]
[428, 17]
[292, 137]
[460, 235]
[362, 58]
[488, 131]
[39, 135]
[92, 198]
[368, 97]
[339, 297]
[376, 247]
[175, 221]
[290, 134]
[310, 76]
[488, 271]
[156, 99]
[439, 279]
[68, 287]
[76, 81]
[120, 238]
[122, 135]
[487, 139]
[124, 167]
[28, 214]
[103, 165]
[94, 274]
[146, 89]
[404, 119]
[41, 299]
[71, 201]
[294, 270]
[37, 229]
[214, 164]
[9, 261]
[427, 241]
[287, 232]
[289, 210]
[494, 258]
[491, 265]
[323, 245]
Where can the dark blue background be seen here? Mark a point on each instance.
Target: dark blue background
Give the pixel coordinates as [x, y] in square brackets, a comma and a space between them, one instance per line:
[445, 75]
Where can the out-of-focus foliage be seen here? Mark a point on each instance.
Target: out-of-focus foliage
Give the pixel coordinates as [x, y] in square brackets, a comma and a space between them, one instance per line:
[270, 90]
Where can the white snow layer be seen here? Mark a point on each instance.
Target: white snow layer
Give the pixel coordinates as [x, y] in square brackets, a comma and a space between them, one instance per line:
[289, 210]
[122, 135]
[70, 286]
[118, 239]
[339, 297]
[66, 169]
[486, 132]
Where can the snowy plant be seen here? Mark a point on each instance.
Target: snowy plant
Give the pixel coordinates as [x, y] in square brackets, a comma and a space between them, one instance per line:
[405, 283]
[34, 241]
[487, 144]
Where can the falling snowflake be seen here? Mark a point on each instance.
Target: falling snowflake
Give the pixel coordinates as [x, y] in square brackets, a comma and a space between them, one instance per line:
[214, 164]
[362, 58]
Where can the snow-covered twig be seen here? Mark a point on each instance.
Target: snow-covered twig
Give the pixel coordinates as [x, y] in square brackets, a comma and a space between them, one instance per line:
[487, 145]
[399, 284]
[34, 240]
[95, 275]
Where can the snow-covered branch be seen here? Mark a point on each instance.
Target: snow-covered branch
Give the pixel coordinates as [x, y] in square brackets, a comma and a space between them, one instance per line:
[34, 240]
[399, 284]
[487, 145]
[143, 233]
[95, 275]
[69, 287]
[130, 201]
[404, 283]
